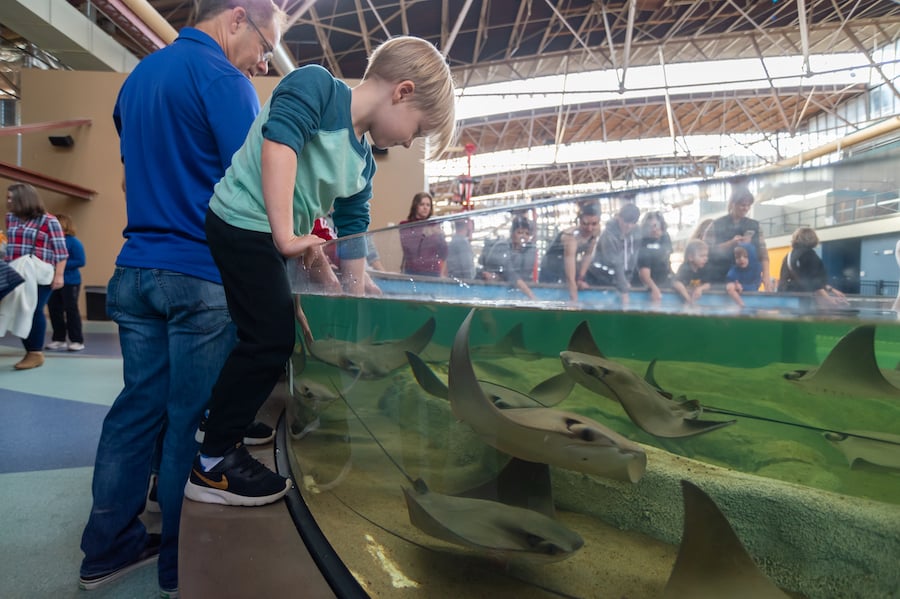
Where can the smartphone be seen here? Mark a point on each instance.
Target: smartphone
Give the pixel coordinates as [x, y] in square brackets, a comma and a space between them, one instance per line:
[749, 233]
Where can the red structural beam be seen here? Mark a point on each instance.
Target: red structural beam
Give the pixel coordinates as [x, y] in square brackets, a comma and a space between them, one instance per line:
[17, 173]
[48, 126]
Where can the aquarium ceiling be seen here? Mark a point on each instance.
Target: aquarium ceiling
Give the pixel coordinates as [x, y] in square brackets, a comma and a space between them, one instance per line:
[493, 41]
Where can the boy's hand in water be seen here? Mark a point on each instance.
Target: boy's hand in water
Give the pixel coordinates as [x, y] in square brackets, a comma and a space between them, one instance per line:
[297, 245]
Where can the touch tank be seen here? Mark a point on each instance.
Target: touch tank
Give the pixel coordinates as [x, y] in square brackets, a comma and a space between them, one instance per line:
[455, 437]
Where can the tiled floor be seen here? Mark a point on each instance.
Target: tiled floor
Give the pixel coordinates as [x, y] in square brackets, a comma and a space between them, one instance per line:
[51, 418]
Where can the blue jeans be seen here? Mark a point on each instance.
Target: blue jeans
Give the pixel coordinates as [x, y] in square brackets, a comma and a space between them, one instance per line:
[175, 333]
[35, 339]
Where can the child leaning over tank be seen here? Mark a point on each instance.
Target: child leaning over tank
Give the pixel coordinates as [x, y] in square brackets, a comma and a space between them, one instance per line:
[305, 153]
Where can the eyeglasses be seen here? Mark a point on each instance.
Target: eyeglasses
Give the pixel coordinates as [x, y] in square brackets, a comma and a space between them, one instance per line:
[269, 51]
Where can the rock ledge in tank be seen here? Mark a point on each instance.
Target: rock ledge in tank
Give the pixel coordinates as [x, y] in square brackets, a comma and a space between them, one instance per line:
[813, 542]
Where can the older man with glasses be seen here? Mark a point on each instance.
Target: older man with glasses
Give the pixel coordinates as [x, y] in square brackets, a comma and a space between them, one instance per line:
[180, 115]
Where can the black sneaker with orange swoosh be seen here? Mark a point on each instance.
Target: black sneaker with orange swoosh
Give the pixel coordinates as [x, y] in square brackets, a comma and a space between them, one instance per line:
[239, 479]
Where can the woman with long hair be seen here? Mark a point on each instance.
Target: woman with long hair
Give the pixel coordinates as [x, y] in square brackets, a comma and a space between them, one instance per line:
[32, 231]
[424, 247]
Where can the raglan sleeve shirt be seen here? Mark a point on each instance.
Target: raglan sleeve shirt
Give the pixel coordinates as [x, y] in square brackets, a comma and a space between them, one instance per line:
[310, 113]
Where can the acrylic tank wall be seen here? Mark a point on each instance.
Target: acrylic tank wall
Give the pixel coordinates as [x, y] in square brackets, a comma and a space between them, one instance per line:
[492, 436]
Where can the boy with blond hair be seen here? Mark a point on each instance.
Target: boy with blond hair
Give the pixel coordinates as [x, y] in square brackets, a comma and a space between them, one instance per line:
[305, 153]
[692, 278]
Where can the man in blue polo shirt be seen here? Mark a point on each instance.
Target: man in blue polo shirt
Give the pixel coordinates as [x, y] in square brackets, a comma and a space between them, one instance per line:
[180, 115]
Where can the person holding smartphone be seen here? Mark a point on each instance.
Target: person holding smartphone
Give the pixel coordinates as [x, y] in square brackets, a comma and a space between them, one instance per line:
[730, 231]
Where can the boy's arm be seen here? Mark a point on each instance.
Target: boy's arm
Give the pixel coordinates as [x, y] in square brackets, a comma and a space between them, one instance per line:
[279, 169]
[353, 272]
[524, 288]
[763, 256]
[647, 280]
[682, 291]
[586, 260]
[570, 249]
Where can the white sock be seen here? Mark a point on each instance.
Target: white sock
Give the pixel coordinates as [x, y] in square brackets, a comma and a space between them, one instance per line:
[209, 462]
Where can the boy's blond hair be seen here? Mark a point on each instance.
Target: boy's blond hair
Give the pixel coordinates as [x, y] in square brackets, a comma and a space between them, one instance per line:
[417, 60]
[694, 247]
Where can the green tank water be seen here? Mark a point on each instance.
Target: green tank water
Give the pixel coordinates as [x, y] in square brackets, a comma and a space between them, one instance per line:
[808, 474]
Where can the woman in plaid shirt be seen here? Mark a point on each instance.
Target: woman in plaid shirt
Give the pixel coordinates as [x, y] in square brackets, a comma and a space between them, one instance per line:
[31, 230]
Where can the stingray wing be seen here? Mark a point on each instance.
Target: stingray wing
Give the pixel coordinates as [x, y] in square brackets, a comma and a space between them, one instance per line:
[850, 368]
[553, 390]
[880, 449]
[712, 563]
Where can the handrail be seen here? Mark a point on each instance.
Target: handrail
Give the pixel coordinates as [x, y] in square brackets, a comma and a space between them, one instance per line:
[823, 217]
[17, 173]
[46, 126]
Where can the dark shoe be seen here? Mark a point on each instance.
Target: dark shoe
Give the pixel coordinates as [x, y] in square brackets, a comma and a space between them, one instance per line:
[258, 433]
[239, 479]
[148, 555]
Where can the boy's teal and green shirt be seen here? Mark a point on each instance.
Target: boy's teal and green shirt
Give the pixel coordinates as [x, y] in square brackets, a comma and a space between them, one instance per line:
[309, 111]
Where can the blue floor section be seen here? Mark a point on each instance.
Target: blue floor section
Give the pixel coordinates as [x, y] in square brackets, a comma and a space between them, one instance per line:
[45, 433]
[51, 418]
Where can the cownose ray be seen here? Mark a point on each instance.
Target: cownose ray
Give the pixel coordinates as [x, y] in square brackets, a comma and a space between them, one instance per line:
[310, 398]
[487, 527]
[879, 449]
[850, 368]
[649, 408]
[712, 563]
[511, 345]
[371, 359]
[545, 394]
[490, 527]
[543, 435]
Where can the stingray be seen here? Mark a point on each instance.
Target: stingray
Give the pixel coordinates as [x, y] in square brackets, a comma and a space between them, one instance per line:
[545, 394]
[512, 345]
[648, 407]
[310, 398]
[879, 449]
[371, 359]
[543, 435]
[712, 563]
[490, 527]
[850, 368]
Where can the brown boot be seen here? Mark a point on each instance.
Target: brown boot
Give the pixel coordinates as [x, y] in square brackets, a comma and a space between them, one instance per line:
[32, 359]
